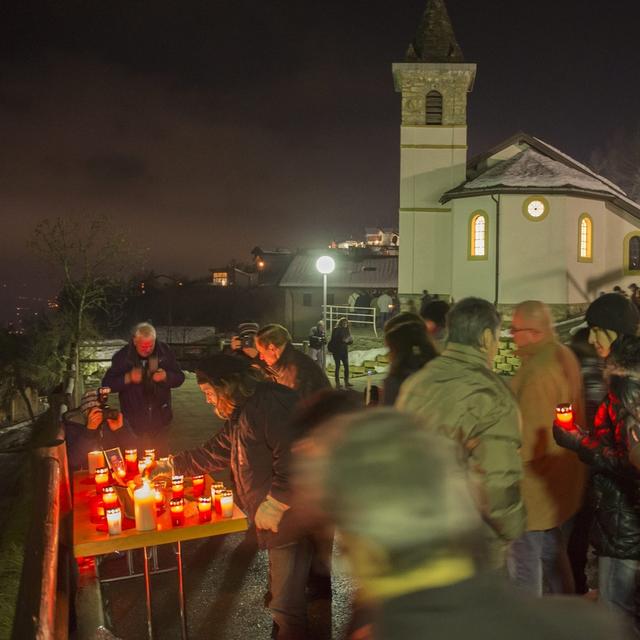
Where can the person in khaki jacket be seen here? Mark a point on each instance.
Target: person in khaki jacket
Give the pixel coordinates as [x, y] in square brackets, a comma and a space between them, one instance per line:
[554, 478]
[467, 403]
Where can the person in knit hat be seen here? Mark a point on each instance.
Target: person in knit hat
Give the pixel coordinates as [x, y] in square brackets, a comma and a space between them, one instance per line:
[615, 532]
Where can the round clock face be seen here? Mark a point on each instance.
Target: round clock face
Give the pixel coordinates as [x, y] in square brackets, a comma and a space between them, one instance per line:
[536, 208]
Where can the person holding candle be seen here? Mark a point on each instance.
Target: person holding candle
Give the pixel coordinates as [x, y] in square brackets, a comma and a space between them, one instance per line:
[615, 533]
[255, 443]
[143, 373]
[554, 478]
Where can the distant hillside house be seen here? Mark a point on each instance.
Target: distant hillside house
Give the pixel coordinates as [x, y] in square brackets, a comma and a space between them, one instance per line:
[232, 277]
[353, 273]
[521, 221]
[270, 264]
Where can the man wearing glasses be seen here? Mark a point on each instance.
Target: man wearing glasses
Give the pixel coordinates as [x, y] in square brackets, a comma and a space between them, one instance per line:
[554, 478]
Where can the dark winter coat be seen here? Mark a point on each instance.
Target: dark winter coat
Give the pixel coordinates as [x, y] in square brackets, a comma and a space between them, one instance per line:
[256, 444]
[146, 406]
[299, 372]
[340, 341]
[615, 491]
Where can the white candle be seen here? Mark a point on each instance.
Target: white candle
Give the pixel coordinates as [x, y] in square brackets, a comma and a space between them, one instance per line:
[95, 460]
[114, 521]
[145, 508]
[226, 504]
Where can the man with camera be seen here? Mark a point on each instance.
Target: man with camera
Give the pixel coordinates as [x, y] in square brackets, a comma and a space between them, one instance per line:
[143, 374]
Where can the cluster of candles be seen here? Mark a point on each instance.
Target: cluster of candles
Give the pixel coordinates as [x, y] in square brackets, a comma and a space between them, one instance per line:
[149, 501]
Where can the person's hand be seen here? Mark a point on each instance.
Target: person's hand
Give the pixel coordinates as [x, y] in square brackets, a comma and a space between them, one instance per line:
[161, 467]
[269, 514]
[134, 376]
[116, 423]
[567, 436]
[159, 375]
[94, 418]
[236, 343]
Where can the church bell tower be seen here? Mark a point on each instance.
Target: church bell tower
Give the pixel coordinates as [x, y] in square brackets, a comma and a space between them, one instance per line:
[434, 82]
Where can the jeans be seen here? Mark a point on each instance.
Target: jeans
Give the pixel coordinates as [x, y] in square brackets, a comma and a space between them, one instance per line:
[617, 583]
[344, 358]
[288, 574]
[537, 561]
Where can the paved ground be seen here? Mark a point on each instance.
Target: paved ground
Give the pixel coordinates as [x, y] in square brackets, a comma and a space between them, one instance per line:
[225, 577]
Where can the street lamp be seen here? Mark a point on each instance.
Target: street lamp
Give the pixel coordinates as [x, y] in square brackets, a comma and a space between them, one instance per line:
[325, 265]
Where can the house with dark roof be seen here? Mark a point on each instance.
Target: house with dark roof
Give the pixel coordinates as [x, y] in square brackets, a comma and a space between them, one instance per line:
[522, 221]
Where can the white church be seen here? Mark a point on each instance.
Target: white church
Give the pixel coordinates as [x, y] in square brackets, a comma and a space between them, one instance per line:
[521, 221]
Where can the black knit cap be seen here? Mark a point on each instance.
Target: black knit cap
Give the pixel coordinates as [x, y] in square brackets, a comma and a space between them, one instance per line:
[614, 312]
[219, 367]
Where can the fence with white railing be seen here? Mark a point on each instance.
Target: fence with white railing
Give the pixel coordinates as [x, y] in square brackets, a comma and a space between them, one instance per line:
[358, 316]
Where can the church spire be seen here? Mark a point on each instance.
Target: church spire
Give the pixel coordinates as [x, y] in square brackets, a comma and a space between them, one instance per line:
[435, 40]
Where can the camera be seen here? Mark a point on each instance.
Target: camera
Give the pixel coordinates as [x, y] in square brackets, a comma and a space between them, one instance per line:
[103, 398]
[248, 341]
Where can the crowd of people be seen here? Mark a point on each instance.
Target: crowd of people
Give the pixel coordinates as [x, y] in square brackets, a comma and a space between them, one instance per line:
[463, 504]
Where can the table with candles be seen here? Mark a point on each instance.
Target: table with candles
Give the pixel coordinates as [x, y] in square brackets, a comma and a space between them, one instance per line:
[117, 509]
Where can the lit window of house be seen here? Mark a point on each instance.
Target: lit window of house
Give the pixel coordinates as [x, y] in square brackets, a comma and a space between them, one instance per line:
[478, 236]
[220, 278]
[585, 238]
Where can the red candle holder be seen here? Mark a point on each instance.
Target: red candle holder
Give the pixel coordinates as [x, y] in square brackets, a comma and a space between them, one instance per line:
[204, 509]
[158, 489]
[131, 460]
[176, 506]
[564, 414]
[216, 490]
[101, 478]
[177, 486]
[198, 486]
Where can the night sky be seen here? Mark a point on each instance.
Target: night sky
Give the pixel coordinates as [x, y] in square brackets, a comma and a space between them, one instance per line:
[210, 127]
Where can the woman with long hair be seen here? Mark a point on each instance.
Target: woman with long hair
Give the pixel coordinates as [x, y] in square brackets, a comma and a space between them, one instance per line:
[339, 347]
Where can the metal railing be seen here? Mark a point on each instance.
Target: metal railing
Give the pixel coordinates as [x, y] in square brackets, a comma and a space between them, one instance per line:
[365, 316]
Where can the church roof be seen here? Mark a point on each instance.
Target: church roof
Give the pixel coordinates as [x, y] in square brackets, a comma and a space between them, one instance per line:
[537, 168]
[435, 40]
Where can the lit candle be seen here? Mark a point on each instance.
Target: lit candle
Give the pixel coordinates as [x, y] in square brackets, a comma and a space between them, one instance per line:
[204, 509]
[158, 495]
[101, 478]
[150, 453]
[131, 458]
[109, 497]
[95, 460]
[226, 504]
[564, 414]
[121, 472]
[198, 486]
[176, 506]
[177, 486]
[216, 489]
[114, 521]
[145, 508]
[142, 465]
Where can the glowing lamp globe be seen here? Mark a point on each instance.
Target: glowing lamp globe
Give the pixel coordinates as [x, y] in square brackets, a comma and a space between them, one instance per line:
[325, 264]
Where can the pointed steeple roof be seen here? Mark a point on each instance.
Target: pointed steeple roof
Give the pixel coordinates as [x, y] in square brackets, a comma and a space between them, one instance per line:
[435, 40]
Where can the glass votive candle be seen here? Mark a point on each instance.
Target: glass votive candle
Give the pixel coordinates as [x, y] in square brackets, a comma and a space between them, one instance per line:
[131, 460]
[226, 503]
[120, 472]
[177, 486]
[198, 485]
[114, 521]
[158, 489]
[101, 478]
[109, 497]
[216, 489]
[95, 460]
[142, 465]
[564, 413]
[176, 506]
[204, 509]
[150, 453]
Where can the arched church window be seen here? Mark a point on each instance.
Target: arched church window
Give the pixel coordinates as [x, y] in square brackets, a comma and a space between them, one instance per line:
[434, 107]
[478, 237]
[585, 238]
[632, 253]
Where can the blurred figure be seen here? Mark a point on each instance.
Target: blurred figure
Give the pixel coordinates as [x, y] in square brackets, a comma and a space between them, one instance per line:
[554, 479]
[434, 314]
[410, 348]
[143, 373]
[317, 341]
[412, 535]
[635, 294]
[384, 305]
[615, 533]
[470, 405]
[291, 367]
[339, 348]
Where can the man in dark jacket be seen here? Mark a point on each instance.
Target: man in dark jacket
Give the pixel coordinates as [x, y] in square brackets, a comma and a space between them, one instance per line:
[291, 367]
[143, 374]
[255, 443]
